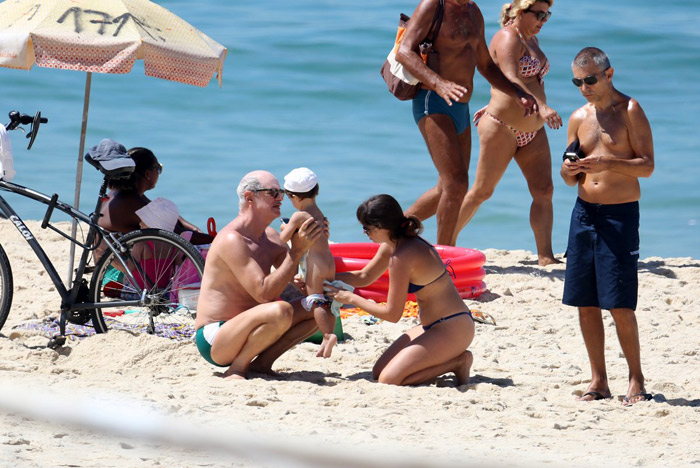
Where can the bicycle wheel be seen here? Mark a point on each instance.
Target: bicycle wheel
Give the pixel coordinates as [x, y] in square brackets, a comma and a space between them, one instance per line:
[161, 275]
[5, 287]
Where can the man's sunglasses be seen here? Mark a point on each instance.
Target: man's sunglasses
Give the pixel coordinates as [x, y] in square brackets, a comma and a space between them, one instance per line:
[590, 80]
[541, 15]
[274, 192]
[158, 167]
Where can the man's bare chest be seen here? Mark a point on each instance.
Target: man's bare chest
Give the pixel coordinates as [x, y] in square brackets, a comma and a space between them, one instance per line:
[266, 254]
[607, 132]
[459, 27]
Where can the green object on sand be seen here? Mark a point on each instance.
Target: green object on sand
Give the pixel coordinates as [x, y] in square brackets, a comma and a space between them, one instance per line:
[317, 337]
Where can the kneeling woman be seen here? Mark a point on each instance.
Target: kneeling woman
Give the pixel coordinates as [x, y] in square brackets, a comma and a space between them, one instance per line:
[438, 345]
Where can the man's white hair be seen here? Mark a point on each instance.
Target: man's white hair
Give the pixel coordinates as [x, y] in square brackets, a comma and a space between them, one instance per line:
[249, 182]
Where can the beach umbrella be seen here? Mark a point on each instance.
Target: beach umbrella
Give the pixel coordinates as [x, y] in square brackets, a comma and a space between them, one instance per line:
[105, 36]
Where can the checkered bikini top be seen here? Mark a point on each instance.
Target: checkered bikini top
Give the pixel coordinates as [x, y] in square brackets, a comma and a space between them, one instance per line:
[530, 66]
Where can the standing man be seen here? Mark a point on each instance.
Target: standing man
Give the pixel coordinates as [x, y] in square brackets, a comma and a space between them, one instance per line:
[441, 107]
[616, 148]
[241, 323]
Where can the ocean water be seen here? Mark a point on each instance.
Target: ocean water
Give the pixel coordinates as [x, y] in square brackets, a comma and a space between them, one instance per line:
[301, 87]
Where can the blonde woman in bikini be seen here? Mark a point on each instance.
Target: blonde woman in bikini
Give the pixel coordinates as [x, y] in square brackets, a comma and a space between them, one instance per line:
[505, 133]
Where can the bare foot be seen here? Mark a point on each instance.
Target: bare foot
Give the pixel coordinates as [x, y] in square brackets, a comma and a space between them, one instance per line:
[463, 367]
[321, 349]
[232, 374]
[329, 341]
[545, 260]
[260, 368]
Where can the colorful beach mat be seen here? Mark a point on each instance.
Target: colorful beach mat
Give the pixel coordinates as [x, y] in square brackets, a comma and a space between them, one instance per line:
[50, 327]
[411, 310]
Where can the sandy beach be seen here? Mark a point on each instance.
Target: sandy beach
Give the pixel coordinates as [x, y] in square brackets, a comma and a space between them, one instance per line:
[518, 410]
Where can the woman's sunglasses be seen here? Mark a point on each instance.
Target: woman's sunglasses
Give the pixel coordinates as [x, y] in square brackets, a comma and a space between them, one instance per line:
[541, 15]
[158, 167]
[590, 80]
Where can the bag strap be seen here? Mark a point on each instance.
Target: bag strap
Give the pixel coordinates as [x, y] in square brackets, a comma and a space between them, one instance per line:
[437, 22]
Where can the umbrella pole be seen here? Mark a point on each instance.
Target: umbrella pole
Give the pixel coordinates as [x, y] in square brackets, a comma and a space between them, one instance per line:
[79, 176]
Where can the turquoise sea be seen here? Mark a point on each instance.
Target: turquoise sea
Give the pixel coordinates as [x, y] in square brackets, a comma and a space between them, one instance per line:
[301, 87]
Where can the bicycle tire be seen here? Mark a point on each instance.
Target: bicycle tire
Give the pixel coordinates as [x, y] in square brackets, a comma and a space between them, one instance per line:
[5, 287]
[168, 272]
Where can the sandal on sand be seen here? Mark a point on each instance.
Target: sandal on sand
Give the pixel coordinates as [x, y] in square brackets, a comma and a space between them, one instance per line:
[627, 401]
[482, 317]
[596, 396]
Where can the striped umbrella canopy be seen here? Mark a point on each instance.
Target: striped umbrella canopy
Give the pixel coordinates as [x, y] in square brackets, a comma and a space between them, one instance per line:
[105, 36]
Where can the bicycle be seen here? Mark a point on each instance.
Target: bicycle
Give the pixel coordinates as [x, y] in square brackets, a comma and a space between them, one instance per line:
[147, 279]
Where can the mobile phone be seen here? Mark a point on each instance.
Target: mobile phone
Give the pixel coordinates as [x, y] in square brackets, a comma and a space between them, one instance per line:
[572, 157]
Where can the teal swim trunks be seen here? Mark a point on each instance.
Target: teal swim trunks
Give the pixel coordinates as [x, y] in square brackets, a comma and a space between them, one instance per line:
[112, 274]
[204, 337]
[429, 102]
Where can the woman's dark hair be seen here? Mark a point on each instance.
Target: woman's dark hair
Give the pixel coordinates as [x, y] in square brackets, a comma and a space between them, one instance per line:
[384, 212]
[144, 159]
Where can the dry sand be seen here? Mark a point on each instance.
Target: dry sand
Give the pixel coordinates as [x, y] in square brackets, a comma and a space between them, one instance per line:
[518, 410]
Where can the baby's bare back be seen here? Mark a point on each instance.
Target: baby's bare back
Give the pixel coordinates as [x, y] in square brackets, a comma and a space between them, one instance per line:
[319, 260]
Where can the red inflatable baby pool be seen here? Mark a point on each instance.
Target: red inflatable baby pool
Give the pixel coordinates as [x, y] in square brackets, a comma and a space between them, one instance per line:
[465, 267]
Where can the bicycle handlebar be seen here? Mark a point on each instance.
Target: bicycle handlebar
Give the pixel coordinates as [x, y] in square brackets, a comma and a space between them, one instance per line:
[17, 119]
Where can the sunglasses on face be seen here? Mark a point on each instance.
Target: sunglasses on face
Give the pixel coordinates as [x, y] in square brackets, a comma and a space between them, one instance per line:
[273, 192]
[158, 167]
[541, 15]
[590, 80]
[368, 229]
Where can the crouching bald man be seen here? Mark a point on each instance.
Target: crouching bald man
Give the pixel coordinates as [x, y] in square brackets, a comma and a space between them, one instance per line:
[241, 323]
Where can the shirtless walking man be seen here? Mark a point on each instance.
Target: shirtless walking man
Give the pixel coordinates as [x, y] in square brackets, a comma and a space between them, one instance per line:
[239, 315]
[616, 148]
[441, 108]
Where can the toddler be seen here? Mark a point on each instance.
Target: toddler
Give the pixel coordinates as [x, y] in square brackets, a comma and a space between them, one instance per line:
[301, 186]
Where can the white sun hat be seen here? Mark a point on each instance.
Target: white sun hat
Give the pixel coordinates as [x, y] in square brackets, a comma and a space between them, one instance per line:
[161, 213]
[300, 180]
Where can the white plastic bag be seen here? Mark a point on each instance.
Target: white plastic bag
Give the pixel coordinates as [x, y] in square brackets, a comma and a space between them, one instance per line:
[7, 168]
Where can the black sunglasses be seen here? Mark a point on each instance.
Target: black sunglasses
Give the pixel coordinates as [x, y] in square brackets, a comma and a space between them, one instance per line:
[274, 192]
[368, 229]
[541, 15]
[590, 80]
[158, 167]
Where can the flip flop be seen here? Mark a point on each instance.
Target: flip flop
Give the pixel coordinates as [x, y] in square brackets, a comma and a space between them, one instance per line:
[626, 401]
[482, 317]
[596, 396]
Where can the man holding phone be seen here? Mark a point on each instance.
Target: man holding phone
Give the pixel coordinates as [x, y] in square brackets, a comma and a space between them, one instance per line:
[615, 149]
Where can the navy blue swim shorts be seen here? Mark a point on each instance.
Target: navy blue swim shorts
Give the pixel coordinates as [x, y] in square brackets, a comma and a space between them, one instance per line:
[601, 258]
[429, 102]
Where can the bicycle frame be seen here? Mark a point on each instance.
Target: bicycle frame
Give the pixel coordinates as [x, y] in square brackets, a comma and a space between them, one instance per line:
[76, 293]
[69, 297]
